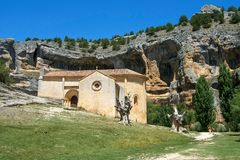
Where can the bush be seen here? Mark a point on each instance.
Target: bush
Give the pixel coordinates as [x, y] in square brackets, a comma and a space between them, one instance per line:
[195, 22]
[82, 43]
[118, 41]
[157, 114]
[218, 16]
[189, 116]
[69, 43]
[235, 18]
[196, 127]
[105, 43]
[183, 20]
[219, 127]
[4, 73]
[150, 31]
[131, 33]
[116, 47]
[94, 46]
[205, 20]
[28, 39]
[232, 9]
[90, 50]
[58, 41]
[169, 27]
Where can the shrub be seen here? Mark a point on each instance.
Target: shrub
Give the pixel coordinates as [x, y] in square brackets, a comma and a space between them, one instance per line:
[219, 127]
[105, 43]
[140, 32]
[189, 116]
[195, 22]
[118, 41]
[203, 103]
[116, 47]
[183, 20]
[97, 41]
[90, 50]
[82, 43]
[157, 114]
[58, 41]
[206, 20]
[35, 39]
[235, 18]
[4, 73]
[218, 16]
[69, 43]
[84, 50]
[203, 20]
[169, 27]
[196, 127]
[27, 39]
[232, 9]
[94, 46]
[150, 31]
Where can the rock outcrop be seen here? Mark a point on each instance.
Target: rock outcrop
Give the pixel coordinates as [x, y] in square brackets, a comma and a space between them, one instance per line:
[7, 53]
[180, 57]
[13, 97]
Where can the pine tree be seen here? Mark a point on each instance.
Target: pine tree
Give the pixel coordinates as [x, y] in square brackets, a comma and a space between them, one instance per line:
[225, 91]
[203, 103]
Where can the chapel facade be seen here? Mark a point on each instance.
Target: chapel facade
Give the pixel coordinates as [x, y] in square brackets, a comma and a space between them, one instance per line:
[97, 90]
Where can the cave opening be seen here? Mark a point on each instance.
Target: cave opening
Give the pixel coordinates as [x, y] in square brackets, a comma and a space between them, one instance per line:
[212, 57]
[166, 55]
[35, 55]
[233, 58]
[166, 73]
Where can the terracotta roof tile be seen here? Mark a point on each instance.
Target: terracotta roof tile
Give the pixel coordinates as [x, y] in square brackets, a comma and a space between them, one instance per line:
[83, 73]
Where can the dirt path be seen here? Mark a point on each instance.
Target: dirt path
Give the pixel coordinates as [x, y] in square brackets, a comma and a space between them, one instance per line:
[184, 155]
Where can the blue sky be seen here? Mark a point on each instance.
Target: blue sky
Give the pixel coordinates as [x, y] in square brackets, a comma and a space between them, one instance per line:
[92, 18]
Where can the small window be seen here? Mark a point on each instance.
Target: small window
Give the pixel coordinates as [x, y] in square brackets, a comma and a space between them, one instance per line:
[96, 86]
[135, 100]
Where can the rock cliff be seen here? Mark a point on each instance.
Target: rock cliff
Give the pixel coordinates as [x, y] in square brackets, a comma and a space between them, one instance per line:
[168, 59]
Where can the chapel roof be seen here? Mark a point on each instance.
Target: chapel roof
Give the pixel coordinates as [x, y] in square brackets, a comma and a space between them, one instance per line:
[84, 73]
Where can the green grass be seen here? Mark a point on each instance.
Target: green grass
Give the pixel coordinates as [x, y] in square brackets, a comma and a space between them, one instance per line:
[28, 135]
[225, 147]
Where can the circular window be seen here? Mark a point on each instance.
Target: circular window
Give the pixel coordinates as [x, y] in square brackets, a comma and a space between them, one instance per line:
[96, 86]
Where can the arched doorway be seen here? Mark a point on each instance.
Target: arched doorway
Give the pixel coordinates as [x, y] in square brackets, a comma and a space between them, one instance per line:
[74, 101]
[71, 98]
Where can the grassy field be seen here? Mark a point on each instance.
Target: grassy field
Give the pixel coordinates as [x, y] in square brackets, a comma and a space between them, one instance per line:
[36, 132]
[225, 146]
[48, 133]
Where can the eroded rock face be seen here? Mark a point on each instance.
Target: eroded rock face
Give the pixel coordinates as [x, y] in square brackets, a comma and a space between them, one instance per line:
[7, 53]
[180, 56]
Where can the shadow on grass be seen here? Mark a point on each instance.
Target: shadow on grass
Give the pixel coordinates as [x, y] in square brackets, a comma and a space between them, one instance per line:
[237, 140]
[234, 134]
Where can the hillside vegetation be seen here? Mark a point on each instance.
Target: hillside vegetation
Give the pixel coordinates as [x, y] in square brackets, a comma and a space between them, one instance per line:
[40, 132]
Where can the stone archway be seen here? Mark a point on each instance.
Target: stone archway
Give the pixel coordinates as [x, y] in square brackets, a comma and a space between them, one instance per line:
[71, 98]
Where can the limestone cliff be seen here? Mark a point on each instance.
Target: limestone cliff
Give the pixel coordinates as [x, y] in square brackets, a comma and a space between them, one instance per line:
[168, 59]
